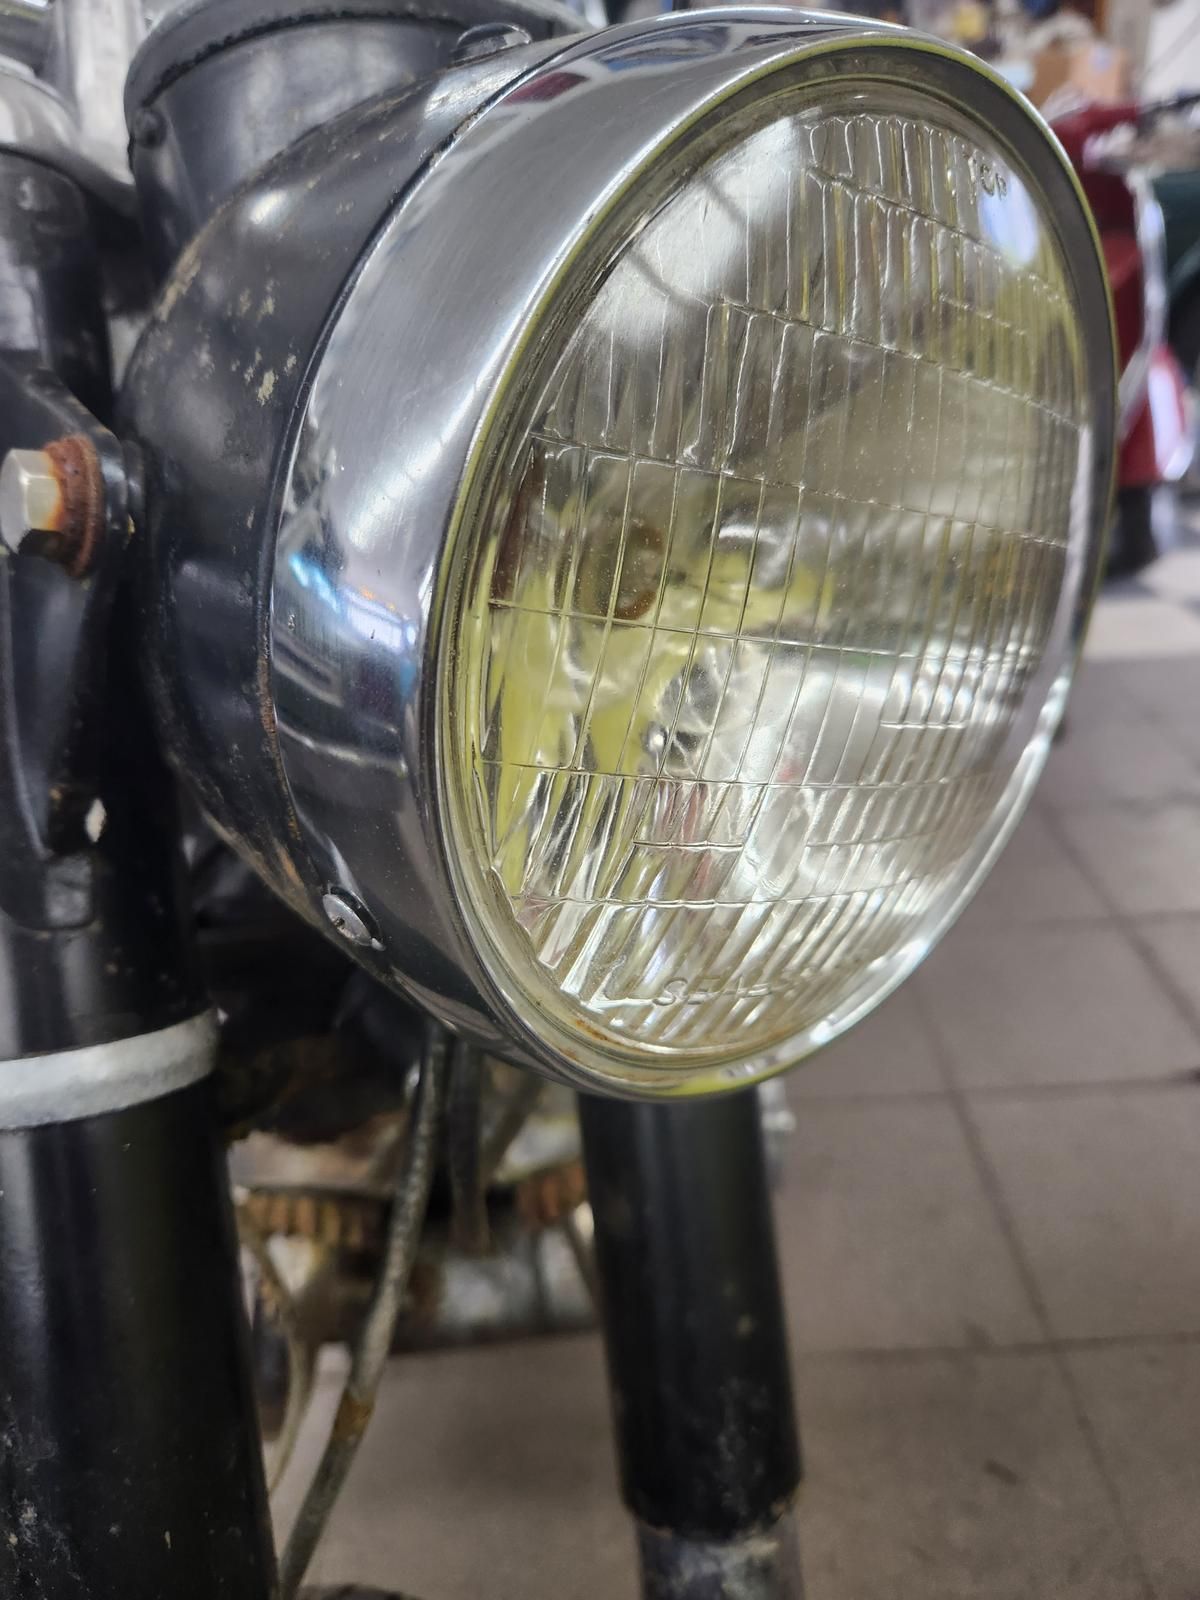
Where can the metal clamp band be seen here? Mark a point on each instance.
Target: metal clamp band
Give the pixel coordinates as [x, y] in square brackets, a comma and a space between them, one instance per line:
[69, 1084]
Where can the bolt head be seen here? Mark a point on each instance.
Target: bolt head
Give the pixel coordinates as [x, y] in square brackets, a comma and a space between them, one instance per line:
[148, 127]
[488, 39]
[347, 917]
[30, 497]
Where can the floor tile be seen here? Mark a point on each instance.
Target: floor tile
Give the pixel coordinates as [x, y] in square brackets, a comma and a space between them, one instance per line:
[887, 1239]
[1175, 942]
[487, 1475]
[891, 1052]
[1104, 1193]
[1168, 691]
[1144, 1403]
[1052, 1005]
[1101, 693]
[952, 1479]
[1146, 858]
[1034, 880]
[1107, 761]
[1136, 628]
[1176, 576]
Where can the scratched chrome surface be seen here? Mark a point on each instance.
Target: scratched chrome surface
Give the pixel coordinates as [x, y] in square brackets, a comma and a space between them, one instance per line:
[751, 656]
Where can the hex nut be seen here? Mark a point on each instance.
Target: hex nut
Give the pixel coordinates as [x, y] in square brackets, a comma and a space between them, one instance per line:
[52, 502]
[30, 497]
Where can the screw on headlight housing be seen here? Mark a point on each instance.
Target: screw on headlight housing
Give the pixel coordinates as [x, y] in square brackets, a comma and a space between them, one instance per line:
[349, 918]
[488, 39]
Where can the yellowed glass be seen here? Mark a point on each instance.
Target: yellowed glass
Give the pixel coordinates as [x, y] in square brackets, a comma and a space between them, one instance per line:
[746, 663]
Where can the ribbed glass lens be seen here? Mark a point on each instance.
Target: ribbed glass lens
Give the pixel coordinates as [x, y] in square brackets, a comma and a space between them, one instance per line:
[752, 650]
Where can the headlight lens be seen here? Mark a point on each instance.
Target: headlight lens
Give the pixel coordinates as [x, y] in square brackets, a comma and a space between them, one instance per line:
[765, 617]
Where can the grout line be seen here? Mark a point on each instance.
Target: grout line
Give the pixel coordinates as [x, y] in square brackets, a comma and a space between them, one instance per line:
[867, 1355]
[1184, 1078]
[1160, 918]
[839, 1101]
[1075, 1344]
[1087, 921]
[1056, 1348]
[984, 1170]
[1129, 924]
[1126, 805]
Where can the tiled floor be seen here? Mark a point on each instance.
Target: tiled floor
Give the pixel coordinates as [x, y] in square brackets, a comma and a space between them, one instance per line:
[990, 1233]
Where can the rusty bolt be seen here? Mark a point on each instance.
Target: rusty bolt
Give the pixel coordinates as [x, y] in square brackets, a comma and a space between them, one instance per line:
[30, 499]
[52, 502]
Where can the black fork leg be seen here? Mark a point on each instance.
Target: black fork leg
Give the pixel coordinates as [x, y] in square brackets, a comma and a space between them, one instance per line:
[129, 1459]
[129, 1455]
[697, 1345]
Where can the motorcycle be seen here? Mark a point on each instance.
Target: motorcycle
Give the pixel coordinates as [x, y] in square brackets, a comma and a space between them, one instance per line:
[1170, 148]
[1111, 147]
[531, 555]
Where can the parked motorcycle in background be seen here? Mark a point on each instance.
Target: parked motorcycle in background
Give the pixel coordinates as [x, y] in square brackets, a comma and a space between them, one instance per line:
[528, 555]
[1118, 152]
[1172, 153]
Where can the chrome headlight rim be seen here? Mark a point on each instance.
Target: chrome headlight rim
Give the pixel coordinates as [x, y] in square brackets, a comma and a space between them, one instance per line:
[464, 983]
[819, 68]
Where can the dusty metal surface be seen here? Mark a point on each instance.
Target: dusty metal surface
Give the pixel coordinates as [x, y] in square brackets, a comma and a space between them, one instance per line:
[702, 1400]
[760, 1566]
[129, 1459]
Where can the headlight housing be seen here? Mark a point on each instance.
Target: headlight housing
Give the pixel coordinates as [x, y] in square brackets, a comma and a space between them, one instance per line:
[648, 589]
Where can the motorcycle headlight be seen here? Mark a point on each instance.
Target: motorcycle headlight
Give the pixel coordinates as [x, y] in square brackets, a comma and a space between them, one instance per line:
[681, 528]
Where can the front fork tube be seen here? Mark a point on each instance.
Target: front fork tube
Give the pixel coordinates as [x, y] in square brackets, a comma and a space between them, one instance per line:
[130, 1466]
[697, 1345]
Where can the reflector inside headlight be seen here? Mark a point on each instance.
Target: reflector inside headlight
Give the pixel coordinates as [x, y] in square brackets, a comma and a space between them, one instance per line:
[770, 599]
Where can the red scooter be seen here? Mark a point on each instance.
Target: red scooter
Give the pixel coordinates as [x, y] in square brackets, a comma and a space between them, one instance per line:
[1156, 409]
